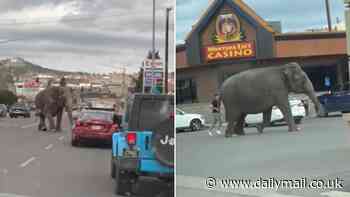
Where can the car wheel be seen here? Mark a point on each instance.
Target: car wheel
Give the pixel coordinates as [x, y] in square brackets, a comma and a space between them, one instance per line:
[75, 143]
[196, 125]
[297, 120]
[112, 167]
[123, 184]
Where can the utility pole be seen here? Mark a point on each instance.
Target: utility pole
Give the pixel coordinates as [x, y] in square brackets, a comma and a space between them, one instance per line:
[347, 27]
[123, 83]
[153, 43]
[329, 20]
[166, 49]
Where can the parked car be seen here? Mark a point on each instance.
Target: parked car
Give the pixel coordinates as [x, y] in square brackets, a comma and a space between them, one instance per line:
[3, 110]
[298, 112]
[145, 147]
[336, 100]
[19, 109]
[188, 121]
[94, 125]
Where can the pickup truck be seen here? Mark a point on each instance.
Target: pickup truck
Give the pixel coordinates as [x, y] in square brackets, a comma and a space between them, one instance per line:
[145, 145]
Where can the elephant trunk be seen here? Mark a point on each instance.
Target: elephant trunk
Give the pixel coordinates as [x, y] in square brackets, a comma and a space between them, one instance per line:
[311, 94]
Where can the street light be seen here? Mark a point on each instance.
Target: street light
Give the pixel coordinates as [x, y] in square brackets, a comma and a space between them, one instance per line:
[167, 49]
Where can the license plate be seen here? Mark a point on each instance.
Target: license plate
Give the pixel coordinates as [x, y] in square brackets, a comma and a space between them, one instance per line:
[130, 153]
[96, 127]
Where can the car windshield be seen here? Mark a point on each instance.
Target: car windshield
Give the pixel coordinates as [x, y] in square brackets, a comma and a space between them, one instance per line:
[96, 115]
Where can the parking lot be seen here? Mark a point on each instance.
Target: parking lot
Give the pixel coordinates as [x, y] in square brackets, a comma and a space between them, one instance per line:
[319, 151]
[35, 164]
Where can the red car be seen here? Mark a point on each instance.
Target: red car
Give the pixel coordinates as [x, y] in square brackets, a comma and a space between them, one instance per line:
[93, 125]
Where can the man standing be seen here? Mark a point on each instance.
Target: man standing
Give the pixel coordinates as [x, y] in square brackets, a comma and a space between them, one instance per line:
[215, 107]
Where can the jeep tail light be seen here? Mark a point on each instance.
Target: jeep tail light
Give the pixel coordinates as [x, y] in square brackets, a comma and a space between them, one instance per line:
[131, 138]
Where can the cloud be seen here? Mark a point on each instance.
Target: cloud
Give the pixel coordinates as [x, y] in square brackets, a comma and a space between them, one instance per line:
[295, 15]
[87, 35]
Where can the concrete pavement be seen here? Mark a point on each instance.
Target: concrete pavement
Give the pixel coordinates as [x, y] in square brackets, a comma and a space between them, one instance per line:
[42, 164]
[320, 151]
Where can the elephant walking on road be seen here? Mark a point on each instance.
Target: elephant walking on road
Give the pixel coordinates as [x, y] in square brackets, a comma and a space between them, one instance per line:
[258, 90]
[51, 103]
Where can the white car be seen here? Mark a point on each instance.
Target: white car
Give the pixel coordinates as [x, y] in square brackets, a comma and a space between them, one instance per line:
[298, 112]
[188, 121]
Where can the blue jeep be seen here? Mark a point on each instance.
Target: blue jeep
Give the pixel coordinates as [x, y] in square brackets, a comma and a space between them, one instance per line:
[145, 146]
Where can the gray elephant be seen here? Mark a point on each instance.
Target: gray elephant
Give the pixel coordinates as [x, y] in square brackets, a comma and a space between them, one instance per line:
[51, 103]
[258, 90]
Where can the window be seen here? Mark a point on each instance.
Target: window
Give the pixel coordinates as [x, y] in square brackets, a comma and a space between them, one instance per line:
[186, 91]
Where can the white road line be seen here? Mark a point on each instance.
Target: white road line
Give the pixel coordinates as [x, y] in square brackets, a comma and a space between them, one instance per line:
[61, 138]
[336, 194]
[29, 125]
[48, 147]
[24, 164]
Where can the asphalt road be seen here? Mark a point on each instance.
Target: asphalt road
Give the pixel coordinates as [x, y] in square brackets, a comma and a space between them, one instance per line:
[42, 164]
[321, 150]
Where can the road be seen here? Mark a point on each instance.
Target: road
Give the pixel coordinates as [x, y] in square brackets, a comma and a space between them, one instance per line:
[42, 164]
[321, 150]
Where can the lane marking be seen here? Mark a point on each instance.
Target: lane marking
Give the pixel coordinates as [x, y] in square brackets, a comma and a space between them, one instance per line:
[48, 147]
[24, 164]
[199, 183]
[336, 194]
[29, 125]
[61, 138]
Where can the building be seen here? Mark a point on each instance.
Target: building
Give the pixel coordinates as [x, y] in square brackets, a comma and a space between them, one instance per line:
[230, 37]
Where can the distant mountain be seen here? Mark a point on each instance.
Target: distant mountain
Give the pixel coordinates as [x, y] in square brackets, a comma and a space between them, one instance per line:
[19, 66]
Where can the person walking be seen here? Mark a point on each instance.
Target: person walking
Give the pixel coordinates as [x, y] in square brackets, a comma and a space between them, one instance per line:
[216, 114]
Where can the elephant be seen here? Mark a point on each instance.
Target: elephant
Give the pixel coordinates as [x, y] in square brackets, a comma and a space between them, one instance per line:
[258, 90]
[51, 102]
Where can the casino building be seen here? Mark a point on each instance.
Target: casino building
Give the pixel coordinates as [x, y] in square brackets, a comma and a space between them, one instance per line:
[230, 37]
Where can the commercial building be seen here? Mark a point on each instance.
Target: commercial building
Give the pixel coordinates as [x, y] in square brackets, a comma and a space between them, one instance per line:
[230, 37]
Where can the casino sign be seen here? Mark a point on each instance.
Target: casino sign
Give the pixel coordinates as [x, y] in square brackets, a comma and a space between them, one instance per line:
[229, 40]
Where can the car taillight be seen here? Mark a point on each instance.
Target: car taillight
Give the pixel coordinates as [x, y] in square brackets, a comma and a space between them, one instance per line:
[131, 138]
[114, 128]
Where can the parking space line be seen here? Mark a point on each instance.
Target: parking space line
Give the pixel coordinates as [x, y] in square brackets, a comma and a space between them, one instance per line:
[24, 164]
[48, 147]
[28, 126]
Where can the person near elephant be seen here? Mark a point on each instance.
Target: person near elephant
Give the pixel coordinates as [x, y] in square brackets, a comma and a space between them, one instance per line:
[51, 103]
[258, 90]
[216, 114]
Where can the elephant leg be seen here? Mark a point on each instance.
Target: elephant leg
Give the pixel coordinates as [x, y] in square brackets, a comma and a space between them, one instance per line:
[266, 120]
[287, 114]
[232, 120]
[42, 125]
[239, 128]
[59, 120]
[51, 122]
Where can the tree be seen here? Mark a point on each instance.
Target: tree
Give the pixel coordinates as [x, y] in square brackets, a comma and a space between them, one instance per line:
[7, 97]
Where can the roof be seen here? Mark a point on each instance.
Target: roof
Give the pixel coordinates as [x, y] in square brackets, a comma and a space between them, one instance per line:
[310, 35]
[243, 6]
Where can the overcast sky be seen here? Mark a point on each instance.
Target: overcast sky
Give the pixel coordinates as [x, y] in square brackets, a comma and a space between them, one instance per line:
[112, 33]
[295, 15]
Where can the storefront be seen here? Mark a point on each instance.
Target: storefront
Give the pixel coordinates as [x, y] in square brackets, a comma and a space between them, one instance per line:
[230, 37]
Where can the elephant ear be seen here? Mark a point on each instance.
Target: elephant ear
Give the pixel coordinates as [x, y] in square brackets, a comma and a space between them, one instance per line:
[288, 75]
